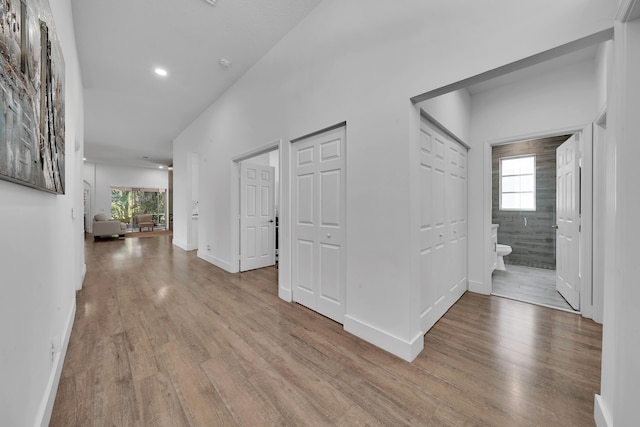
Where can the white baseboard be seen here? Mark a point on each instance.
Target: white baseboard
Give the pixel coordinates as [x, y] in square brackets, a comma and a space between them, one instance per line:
[407, 350]
[601, 415]
[226, 266]
[179, 244]
[83, 273]
[285, 294]
[46, 406]
[479, 288]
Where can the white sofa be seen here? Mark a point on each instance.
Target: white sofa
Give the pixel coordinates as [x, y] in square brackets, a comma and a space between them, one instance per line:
[105, 227]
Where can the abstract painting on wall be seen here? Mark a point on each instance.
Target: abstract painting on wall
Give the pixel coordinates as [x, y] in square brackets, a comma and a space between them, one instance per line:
[31, 96]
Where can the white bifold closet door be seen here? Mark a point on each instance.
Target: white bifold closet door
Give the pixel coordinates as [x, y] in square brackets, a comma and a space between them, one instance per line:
[443, 223]
[318, 218]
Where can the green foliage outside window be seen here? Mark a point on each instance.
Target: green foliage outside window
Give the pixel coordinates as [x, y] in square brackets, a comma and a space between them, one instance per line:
[127, 203]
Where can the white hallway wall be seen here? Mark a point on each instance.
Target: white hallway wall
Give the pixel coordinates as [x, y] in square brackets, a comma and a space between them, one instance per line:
[343, 64]
[41, 263]
[102, 177]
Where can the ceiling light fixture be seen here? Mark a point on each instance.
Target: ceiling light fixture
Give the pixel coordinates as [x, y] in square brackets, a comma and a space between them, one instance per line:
[211, 2]
[161, 167]
[161, 72]
[224, 63]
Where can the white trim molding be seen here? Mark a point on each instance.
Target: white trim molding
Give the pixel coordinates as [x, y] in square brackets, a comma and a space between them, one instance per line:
[83, 274]
[285, 294]
[407, 350]
[601, 415]
[479, 287]
[628, 10]
[226, 266]
[179, 244]
[46, 405]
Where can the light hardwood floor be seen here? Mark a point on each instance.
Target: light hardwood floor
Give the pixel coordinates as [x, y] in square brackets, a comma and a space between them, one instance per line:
[162, 338]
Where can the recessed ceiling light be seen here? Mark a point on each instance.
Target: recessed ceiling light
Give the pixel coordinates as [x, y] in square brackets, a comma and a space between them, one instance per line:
[161, 72]
[211, 2]
[84, 158]
[161, 167]
[225, 63]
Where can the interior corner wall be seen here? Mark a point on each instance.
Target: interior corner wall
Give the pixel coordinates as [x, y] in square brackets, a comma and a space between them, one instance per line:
[555, 101]
[340, 65]
[41, 263]
[452, 111]
[604, 64]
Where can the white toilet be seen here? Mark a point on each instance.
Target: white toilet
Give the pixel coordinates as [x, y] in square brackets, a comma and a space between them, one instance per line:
[502, 251]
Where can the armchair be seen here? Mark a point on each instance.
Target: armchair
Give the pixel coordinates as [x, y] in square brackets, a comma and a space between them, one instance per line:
[145, 221]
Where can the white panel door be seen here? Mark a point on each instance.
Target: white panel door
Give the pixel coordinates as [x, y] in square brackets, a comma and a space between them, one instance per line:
[443, 223]
[257, 222]
[568, 222]
[457, 172]
[439, 273]
[318, 202]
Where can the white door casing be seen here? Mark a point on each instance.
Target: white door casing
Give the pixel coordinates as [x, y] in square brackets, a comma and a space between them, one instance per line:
[318, 217]
[257, 216]
[568, 221]
[443, 223]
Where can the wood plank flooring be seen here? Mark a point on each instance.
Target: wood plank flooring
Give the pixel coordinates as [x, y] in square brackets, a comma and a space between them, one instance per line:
[529, 284]
[162, 338]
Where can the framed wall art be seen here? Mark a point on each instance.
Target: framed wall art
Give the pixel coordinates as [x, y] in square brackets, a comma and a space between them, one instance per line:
[32, 129]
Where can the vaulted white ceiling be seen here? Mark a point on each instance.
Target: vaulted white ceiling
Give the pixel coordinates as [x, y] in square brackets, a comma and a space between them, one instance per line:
[132, 113]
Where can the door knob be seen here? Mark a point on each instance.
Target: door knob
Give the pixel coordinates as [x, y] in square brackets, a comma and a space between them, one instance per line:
[555, 226]
[328, 235]
[271, 220]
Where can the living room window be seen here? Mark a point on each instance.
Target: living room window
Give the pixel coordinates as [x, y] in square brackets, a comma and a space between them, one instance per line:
[127, 202]
[518, 183]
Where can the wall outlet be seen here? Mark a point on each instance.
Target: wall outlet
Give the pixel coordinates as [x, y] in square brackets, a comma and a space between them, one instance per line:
[209, 248]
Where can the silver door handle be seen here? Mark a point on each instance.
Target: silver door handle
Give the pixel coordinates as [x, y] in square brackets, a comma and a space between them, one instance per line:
[555, 226]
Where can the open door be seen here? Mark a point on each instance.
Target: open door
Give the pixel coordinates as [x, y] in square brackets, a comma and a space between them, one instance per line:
[257, 222]
[568, 221]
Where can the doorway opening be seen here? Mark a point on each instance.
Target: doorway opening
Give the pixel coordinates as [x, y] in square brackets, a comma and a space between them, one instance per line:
[257, 211]
[531, 99]
[524, 221]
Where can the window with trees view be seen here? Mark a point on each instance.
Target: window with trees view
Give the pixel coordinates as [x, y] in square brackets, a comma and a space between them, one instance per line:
[127, 202]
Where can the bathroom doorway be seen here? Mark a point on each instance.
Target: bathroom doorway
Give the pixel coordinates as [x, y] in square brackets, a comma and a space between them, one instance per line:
[524, 209]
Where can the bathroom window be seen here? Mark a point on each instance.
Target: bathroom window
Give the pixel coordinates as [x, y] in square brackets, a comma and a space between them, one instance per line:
[518, 183]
